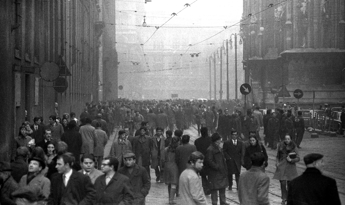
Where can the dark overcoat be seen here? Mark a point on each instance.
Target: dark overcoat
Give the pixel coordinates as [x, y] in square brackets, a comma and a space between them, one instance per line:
[217, 169]
[233, 155]
[117, 191]
[139, 181]
[313, 188]
[182, 154]
[74, 142]
[79, 190]
[142, 146]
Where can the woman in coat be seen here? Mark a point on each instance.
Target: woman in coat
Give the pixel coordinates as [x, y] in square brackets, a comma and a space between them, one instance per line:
[286, 159]
[254, 146]
[171, 175]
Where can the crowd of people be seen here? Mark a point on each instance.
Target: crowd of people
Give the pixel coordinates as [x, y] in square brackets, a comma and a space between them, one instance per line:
[63, 162]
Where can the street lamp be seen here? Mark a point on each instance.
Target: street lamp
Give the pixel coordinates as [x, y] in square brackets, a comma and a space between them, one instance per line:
[236, 86]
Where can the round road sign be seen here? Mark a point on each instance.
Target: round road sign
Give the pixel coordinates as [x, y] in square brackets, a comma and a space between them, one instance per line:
[298, 93]
[245, 89]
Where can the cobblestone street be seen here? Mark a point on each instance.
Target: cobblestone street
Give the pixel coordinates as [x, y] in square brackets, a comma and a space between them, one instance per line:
[331, 147]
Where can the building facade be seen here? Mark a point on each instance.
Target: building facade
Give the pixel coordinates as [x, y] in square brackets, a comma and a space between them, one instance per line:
[294, 44]
[49, 60]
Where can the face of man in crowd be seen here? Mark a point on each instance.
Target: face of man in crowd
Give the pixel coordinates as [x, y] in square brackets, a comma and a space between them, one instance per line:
[48, 135]
[38, 122]
[142, 132]
[127, 131]
[34, 166]
[51, 121]
[88, 165]
[198, 164]
[105, 166]
[159, 132]
[61, 166]
[129, 162]
[234, 136]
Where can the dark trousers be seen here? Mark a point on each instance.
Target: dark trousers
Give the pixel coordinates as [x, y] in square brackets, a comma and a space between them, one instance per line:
[299, 137]
[284, 189]
[237, 177]
[159, 173]
[214, 196]
[148, 170]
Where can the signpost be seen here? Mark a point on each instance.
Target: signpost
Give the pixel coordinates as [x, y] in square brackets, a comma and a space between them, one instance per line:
[298, 94]
[245, 89]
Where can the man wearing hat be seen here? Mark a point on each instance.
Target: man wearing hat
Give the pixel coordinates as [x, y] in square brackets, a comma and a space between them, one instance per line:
[312, 187]
[35, 178]
[138, 178]
[233, 151]
[9, 184]
[217, 170]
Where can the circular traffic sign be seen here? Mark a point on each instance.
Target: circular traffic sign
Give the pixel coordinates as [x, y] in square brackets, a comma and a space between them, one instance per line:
[245, 89]
[60, 85]
[120, 87]
[298, 93]
[49, 71]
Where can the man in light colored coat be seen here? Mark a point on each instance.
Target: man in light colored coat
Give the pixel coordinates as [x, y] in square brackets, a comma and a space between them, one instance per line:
[88, 167]
[101, 141]
[88, 135]
[191, 190]
[254, 183]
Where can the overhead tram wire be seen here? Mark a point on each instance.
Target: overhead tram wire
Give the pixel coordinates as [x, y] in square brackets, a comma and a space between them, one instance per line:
[172, 16]
[225, 27]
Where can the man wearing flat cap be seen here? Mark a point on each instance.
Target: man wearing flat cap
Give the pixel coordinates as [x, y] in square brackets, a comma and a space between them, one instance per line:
[138, 178]
[9, 184]
[35, 177]
[312, 187]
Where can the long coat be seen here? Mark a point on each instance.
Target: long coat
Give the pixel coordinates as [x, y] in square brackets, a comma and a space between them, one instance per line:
[39, 181]
[74, 141]
[191, 190]
[171, 173]
[286, 170]
[38, 134]
[88, 135]
[118, 191]
[162, 120]
[101, 141]
[139, 181]
[118, 148]
[249, 150]
[79, 190]
[233, 155]
[182, 154]
[157, 146]
[253, 187]
[313, 188]
[217, 169]
[142, 146]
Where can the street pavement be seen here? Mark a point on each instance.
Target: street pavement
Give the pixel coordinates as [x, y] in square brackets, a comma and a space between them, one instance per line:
[331, 147]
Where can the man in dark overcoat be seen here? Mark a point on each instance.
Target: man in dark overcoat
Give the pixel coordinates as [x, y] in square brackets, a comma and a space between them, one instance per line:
[273, 131]
[201, 144]
[142, 148]
[233, 151]
[222, 124]
[312, 187]
[217, 170]
[265, 122]
[70, 186]
[183, 152]
[38, 130]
